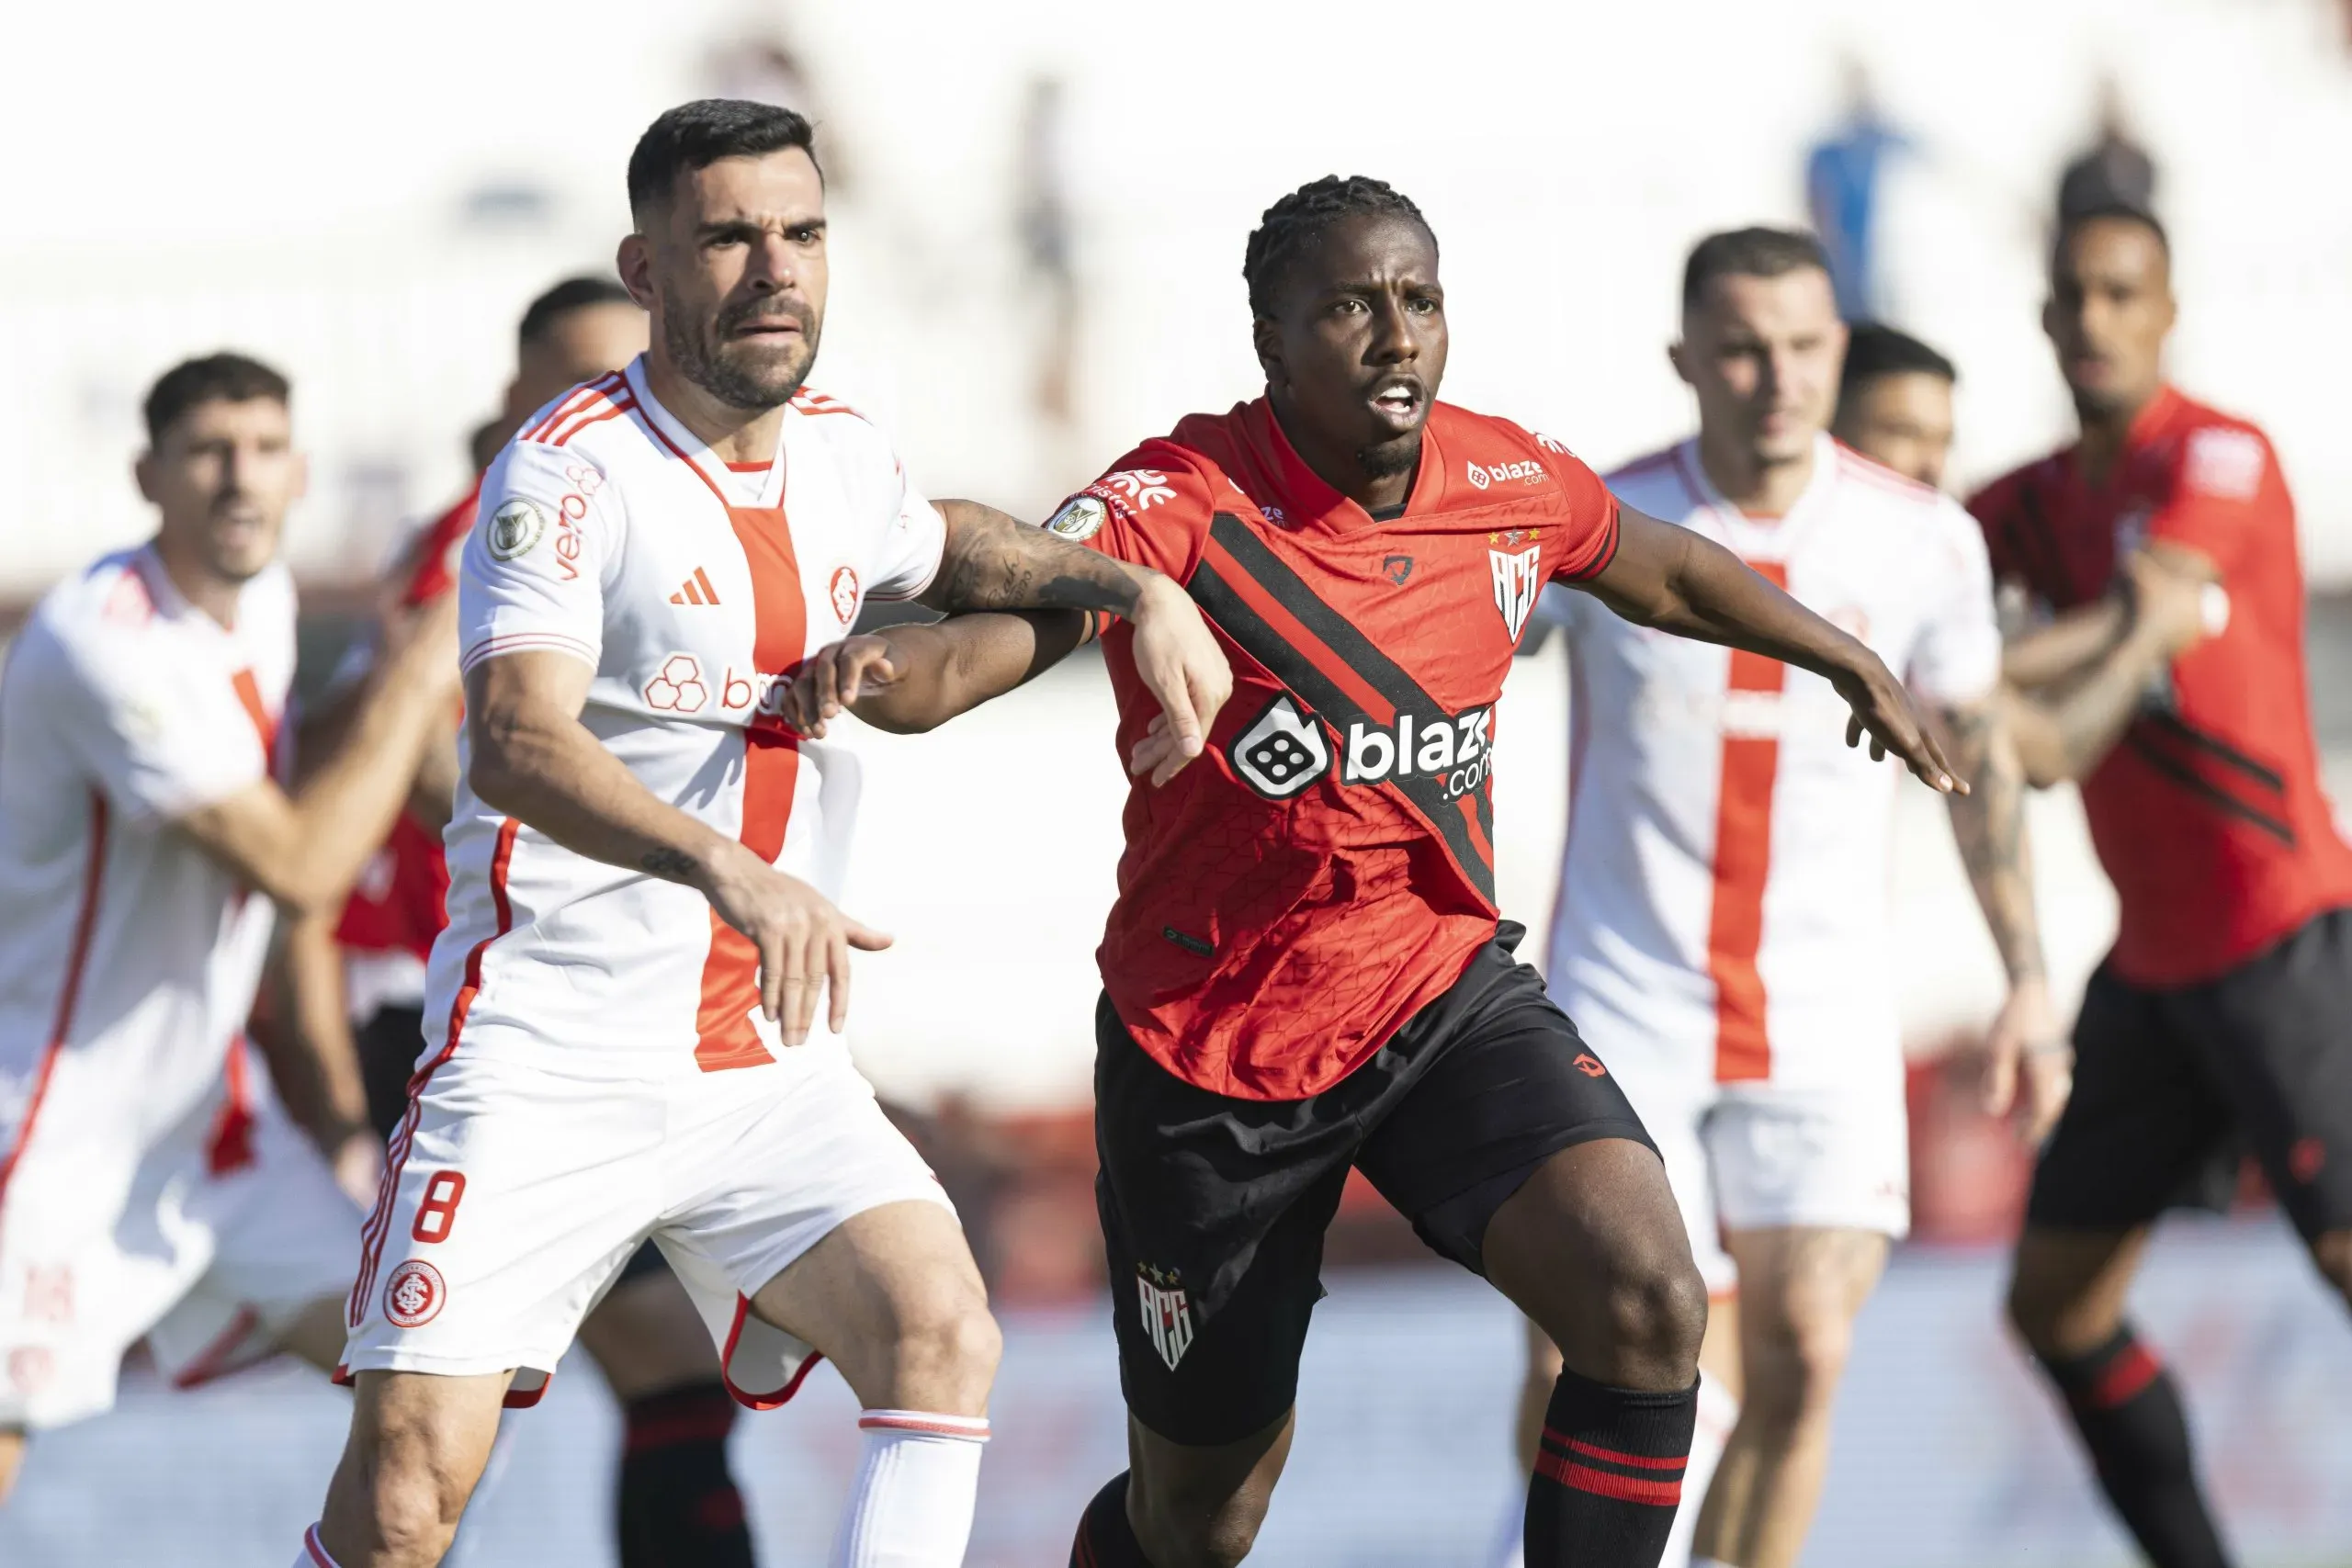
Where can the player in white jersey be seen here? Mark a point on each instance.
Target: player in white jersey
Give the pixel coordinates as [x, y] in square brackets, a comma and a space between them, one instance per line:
[1723, 923]
[623, 1032]
[150, 1185]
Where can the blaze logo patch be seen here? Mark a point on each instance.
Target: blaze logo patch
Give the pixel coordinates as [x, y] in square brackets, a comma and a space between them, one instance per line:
[1167, 1311]
[1283, 752]
[413, 1296]
[1519, 578]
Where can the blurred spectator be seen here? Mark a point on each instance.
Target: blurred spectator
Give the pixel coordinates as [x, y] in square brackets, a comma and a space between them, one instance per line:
[1842, 175]
[1043, 194]
[2114, 171]
[763, 65]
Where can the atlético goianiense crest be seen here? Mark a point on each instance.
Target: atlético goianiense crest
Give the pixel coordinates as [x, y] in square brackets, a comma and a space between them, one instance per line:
[1167, 1315]
[1519, 578]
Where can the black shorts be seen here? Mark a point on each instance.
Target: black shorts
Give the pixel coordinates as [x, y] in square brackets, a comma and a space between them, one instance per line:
[2171, 1085]
[389, 1043]
[1213, 1208]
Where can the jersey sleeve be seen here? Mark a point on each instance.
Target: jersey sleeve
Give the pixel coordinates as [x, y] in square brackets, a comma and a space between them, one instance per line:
[914, 541]
[429, 567]
[2227, 496]
[1152, 509]
[1589, 539]
[1957, 659]
[532, 574]
[158, 736]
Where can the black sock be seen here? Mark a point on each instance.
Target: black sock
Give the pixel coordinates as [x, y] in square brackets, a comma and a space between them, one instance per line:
[1608, 1475]
[2129, 1411]
[1105, 1540]
[678, 1507]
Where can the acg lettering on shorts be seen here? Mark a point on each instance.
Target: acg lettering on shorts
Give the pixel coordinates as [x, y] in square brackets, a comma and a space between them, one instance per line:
[1456, 750]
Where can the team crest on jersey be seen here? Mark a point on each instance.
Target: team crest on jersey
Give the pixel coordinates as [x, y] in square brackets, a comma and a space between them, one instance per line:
[1081, 518]
[842, 590]
[1283, 752]
[514, 528]
[1519, 578]
[413, 1296]
[1167, 1311]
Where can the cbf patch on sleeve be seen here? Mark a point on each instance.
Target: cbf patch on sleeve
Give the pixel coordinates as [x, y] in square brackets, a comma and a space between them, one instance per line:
[514, 528]
[1081, 518]
[2226, 464]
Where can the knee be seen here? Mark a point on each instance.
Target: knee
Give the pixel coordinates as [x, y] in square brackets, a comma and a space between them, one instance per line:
[1178, 1532]
[2332, 1253]
[1792, 1367]
[411, 1495]
[949, 1342]
[2051, 1317]
[1653, 1312]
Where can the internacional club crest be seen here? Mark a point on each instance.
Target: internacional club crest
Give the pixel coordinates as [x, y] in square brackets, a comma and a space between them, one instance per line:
[413, 1296]
[1166, 1314]
[1519, 578]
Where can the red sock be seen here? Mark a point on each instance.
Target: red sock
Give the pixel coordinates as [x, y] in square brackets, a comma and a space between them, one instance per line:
[2130, 1414]
[678, 1504]
[1608, 1475]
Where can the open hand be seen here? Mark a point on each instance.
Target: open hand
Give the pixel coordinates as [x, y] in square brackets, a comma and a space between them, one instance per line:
[2026, 1048]
[2169, 598]
[834, 677]
[1180, 663]
[803, 941]
[1883, 710]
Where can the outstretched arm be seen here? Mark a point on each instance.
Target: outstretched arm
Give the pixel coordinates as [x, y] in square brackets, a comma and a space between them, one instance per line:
[1670, 578]
[1989, 829]
[910, 679]
[993, 561]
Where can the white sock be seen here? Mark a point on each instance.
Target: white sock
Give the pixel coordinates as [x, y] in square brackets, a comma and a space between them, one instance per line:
[911, 1504]
[1718, 1414]
[313, 1554]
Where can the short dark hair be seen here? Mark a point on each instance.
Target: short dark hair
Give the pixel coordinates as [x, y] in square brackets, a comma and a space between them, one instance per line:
[1286, 227]
[222, 377]
[2110, 212]
[1874, 349]
[696, 135]
[1754, 252]
[571, 294]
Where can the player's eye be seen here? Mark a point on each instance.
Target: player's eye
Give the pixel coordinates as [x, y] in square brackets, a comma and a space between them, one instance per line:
[1348, 307]
[805, 234]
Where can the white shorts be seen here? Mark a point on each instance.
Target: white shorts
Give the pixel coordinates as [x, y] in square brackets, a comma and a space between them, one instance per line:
[1756, 1156]
[516, 1195]
[206, 1244]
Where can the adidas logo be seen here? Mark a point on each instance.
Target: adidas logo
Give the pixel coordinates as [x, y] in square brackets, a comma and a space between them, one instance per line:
[698, 591]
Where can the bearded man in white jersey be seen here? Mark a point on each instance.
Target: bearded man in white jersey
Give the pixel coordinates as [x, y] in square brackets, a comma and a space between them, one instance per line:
[1722, 913]
[151, 1186]
[623, 1037]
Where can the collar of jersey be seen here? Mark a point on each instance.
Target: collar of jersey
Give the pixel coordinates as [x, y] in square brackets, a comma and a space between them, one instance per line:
[680, 441]
[1307, 497]
[1703, 492]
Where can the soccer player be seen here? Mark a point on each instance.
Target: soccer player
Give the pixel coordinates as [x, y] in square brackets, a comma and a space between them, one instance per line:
[2219, 1014]
[1306, 969]
[1723, 898]
[678, 1506]
[150, 1185]
[622, 1031]
[1894, 402]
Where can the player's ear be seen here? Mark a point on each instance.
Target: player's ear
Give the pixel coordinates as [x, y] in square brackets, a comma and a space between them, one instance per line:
[301, 485]
[1268, 340]
[634, 262]
[142, 470]
[2049, 318]
[1674, 356]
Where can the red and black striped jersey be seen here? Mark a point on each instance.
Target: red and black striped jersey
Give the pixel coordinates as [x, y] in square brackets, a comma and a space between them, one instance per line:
[2208, 815]
[1290, 899]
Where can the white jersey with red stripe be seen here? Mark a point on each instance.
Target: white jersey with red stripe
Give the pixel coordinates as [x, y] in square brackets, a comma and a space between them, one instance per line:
[122, 945]
[1724, 897]
[610, 534]
[150, 1186]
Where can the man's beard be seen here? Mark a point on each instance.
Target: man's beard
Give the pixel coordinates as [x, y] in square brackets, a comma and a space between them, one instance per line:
[702, 359]
[1387, 459]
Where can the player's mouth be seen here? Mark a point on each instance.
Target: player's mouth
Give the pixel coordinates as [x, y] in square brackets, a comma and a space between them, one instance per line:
[1398, 401]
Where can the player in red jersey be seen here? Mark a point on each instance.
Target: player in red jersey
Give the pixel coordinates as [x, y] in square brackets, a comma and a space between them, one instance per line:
[358, 989]
[1306, 969]
[2219, 1014]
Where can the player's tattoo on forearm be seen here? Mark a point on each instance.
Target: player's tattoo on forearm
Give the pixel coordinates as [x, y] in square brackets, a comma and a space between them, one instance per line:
[670, 865]
[995, 562]
[1988, 825]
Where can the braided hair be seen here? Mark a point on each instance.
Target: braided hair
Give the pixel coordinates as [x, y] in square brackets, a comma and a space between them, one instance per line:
[1297, 219]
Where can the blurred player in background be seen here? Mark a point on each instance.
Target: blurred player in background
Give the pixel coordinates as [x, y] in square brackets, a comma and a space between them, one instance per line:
[1723, 921]
[677, 1506]
[622, 1029]
[149, 1184]
[1305, 971]
[1894, 402]
[2220, 1014]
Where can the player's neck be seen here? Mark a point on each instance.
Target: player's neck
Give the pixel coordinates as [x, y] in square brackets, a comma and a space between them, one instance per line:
[199, 585]
[2105, 434]
[1339, 466]
[733, 435]
[1755, 487]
